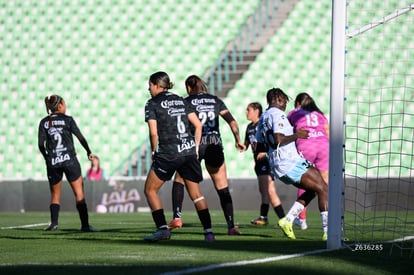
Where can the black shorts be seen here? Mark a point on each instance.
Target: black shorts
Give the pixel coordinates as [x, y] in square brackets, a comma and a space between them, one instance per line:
[212, 154]
[262, 167]
[72, 172]
[188, 167]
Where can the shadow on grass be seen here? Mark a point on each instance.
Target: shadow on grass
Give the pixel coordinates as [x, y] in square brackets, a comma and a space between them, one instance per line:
[343, 262]
[253, 244]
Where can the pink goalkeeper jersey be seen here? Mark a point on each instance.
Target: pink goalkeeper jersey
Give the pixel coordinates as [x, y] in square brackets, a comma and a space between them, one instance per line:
[317, 143]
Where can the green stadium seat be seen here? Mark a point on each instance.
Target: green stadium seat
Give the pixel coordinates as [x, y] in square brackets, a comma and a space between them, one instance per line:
[99, 57]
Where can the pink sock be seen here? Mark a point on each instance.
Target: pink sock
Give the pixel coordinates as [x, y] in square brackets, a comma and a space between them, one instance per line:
[302, 215]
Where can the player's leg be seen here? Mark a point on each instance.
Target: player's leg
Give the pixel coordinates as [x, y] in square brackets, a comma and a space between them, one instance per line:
[219, 178]
[265, 200]
[74, 176]
[305, 176]
[300, 221]
[152, 185]
[192, 175]
[77, 188]
[177, 197]
[55, 186]
[54, 206]
[274, 197]
[201, 206]
[325, 175]
[313, 181]
[216, 167]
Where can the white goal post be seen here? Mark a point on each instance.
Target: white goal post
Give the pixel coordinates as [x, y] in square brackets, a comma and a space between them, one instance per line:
[336, 131]
[376, 165]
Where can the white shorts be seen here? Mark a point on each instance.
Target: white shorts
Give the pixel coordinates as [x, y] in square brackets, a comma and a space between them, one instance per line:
[295, 174]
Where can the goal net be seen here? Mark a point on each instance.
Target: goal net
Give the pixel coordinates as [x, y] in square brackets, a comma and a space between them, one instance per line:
[378, 190]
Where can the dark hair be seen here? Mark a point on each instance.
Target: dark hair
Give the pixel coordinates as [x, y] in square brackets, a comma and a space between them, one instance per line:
[256, 106]
[99, 162]
[52, 103]
[162, 79]
[196, 83]
[307, 103]
[99, 165]
[274, 93]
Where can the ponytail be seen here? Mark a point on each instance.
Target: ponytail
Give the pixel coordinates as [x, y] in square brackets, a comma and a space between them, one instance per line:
[52, 103]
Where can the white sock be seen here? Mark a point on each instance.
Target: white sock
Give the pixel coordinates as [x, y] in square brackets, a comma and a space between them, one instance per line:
[324, 216]
[294, 211]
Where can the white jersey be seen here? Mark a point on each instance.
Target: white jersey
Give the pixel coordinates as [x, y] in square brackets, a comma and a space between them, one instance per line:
[282, 158]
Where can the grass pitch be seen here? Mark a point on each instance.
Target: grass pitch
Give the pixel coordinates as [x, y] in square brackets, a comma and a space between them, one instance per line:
[119, 248]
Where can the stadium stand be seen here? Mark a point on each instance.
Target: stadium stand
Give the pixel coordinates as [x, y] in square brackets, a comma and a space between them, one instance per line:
[98, 56]
[296, 59]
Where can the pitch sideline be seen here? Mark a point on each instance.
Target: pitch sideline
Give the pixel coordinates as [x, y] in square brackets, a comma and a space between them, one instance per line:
[241, 263]
[24, 226]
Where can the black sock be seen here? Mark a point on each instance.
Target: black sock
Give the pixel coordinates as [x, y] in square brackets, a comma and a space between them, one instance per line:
[227, 206]
[264, 209]
[159, 219]
[83, 213]
[54, 213]
[205, 219]
[177, 199]
[279, 211]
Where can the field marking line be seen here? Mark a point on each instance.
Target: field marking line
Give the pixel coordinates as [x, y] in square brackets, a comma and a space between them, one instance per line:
[405, 238]
[246, 262]
[24, 226]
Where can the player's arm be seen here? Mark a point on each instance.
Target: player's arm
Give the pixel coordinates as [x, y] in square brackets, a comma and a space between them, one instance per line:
[259, 146]
[281, 139]
[41, 140]
[246, 141]
[195, 121]
[82, 140]
[228, 117]
[153, 134]
[326, 126]
[85, 145]
[41, 144]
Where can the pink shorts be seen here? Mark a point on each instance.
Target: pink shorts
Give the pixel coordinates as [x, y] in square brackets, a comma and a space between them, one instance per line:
[317, 153]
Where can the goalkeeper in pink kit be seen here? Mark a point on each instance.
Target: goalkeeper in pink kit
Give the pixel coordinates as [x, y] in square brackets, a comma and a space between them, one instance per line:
[315, 148]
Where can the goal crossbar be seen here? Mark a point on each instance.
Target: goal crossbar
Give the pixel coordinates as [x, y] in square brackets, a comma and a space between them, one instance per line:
[381, 21]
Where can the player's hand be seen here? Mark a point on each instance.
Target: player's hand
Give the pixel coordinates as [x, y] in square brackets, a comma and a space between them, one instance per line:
[240, 146]
[302, 133]
[91, 156]
[261, 155]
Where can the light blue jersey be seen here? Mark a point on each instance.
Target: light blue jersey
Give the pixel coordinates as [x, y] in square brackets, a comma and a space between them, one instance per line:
[282, 158]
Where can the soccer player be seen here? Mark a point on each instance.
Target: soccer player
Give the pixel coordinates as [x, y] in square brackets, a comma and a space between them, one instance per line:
[275, 131]
[315, 148]
[55, 142]
[209, 108]
[174, 149]
[266, 183]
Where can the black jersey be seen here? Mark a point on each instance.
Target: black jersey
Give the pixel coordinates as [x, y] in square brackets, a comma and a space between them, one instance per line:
[251, 130]
[174, 133]
[208, 108]
[56, 142]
